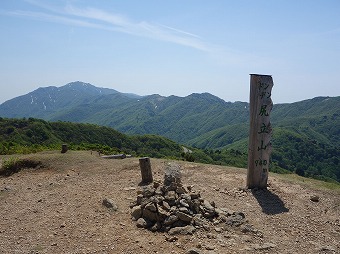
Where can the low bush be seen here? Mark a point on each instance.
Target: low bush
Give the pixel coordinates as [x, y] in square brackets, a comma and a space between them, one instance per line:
[14, 165]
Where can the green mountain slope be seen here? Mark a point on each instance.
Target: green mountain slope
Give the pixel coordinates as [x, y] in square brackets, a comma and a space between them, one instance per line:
[316, 119]
[32, 135]
[21, 135]
[47, 101]
[292, 151]
[203, 121]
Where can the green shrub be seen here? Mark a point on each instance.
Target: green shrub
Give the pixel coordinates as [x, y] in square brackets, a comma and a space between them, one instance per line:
[14, 165]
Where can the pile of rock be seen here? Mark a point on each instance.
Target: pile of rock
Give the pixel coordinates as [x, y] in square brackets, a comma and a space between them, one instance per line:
[176, 209]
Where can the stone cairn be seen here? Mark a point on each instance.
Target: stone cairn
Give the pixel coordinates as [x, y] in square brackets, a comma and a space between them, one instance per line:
[176, 209]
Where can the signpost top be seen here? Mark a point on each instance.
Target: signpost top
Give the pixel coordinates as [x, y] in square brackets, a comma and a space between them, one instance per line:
[259, 75]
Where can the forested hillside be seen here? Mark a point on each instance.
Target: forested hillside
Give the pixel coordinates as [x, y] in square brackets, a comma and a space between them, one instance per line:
[291, 151]
[306, 134]
[33, 135]
[202, 120]
[27, 135]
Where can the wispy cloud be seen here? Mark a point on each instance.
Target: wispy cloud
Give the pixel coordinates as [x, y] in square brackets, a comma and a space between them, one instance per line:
[99, 19]
[55, 18]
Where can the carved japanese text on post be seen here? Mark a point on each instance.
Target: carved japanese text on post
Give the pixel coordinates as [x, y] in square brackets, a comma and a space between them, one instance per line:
[259, 149]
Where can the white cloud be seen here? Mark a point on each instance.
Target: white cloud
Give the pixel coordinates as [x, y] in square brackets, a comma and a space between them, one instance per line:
[143, 28]
[55, 18]
[99, 19]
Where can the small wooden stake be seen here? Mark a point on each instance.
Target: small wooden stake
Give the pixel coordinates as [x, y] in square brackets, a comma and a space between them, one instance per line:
[145, 167]
[260, 132]
[64, 148]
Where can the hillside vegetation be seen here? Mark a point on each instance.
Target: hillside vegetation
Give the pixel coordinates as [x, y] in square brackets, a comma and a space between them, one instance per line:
[306, 134]
[291, 153]
[33, 135]
[197, 119]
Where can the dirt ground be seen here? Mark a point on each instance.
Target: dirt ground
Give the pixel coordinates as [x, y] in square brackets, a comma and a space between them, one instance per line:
[58, 209]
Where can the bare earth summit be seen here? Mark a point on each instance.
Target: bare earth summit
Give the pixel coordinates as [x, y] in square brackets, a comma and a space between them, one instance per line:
[58, 209]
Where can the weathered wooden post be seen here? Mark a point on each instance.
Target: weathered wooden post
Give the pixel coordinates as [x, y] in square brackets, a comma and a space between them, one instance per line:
[64, 148]
[259, 148]
[145, 168]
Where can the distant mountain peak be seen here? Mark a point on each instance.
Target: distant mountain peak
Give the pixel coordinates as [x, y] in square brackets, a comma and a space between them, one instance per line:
[206, 96]
[87, 88]
[78, 84]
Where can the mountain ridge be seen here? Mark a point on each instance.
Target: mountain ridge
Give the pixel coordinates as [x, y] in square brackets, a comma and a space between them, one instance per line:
[187, 119]
[204, 121]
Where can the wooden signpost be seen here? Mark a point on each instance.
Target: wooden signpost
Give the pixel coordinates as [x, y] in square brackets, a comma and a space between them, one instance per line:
[260, 132]
[145, 168]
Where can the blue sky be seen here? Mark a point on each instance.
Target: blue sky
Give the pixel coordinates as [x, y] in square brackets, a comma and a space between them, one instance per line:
[172, 47]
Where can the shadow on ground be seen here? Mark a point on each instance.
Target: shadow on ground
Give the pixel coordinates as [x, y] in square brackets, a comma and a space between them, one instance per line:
[270, 202]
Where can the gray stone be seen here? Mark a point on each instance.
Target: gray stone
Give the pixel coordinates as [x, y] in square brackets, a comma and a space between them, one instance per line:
[139, 199]
[133, 203]
[187, 230]
[183, 209]
[145, 201]
[222, 219]
[209, 247]
[315, 198]
[207, 227]
[196, 206]
[265, 246]
[170, 196]
[207, 215]
[159, 199]
[193, 251]
[240, 214]
[149, 215]
[184, 203]
[151, 207]
[163, 214]
[157, 226]
[141, 223]
[173, 209]
[208, 207]
[220, 212]
[166, 205]
[171, 238]
[148, 191]
[248, 228]
[195, 195]
[184, 217]
[328, 248]
[170, 220]
[159, 191]
[172, 174]
[218, 230]
[235, 220]
[110, 204]
[153, 199]
[198, 220]
[136, 212]
[186, 196]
